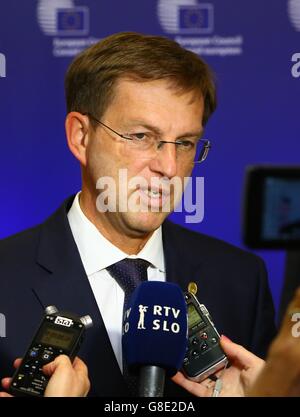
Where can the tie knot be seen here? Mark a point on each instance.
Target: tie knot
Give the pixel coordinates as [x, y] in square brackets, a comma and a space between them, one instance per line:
[129, 273]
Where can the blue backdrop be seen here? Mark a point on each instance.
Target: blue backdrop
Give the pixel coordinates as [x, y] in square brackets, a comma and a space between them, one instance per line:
[250, 45]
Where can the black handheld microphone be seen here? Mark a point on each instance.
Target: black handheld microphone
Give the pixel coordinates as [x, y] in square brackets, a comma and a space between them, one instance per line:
[155, 334]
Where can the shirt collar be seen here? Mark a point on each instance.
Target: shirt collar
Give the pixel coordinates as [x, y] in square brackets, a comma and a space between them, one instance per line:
[98, 253]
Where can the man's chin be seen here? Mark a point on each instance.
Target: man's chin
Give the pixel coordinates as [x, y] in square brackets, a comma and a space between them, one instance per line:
[144, 223]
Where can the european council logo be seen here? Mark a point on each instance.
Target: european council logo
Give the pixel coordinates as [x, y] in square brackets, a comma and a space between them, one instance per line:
[294, 13]
[73, 21]
[62, 18]
[186, 16]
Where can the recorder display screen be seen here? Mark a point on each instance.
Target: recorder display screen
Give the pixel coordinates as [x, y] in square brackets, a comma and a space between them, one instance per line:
[194, 317]
[52, 336]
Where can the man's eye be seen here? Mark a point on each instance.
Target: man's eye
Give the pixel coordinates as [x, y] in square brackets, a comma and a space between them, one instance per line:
[186, 144]
[139, 136]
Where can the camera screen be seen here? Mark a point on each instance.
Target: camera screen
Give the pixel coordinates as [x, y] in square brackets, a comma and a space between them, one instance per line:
[281, 214]
[272, 207]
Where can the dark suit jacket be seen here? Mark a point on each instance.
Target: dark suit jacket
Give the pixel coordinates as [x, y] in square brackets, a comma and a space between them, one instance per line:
[42, 266]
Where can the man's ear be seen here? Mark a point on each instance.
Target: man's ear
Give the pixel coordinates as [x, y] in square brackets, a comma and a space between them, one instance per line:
[77, 132]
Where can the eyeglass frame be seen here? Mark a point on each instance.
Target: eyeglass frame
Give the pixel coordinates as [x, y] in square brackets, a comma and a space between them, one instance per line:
[201, 158]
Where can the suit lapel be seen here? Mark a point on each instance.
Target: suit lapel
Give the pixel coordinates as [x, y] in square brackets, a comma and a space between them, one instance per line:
[182, 266]
[64, 284]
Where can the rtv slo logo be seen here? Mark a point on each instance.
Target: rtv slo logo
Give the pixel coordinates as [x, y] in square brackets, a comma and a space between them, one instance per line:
[295, 70]
[163, 318]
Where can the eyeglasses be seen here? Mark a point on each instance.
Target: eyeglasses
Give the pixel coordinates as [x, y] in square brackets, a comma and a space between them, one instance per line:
[146, 145]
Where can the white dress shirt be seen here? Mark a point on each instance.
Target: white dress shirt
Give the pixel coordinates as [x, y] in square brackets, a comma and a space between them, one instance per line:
[97, 253]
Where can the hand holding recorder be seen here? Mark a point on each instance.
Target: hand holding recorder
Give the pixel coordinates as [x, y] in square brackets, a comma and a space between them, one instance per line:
[67, 379]
[50, 354]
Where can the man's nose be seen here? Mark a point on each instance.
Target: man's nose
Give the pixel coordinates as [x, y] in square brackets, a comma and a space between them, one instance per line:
[165, 161]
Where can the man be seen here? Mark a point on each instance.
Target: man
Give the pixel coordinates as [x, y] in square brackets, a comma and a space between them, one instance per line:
[137, 106]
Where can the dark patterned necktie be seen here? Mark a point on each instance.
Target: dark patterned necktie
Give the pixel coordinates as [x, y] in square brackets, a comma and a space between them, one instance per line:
[129, 273]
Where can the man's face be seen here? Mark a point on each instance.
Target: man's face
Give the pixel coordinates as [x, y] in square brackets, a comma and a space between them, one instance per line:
[142, 107]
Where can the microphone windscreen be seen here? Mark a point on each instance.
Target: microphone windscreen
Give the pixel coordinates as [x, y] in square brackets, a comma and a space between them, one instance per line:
[155, 327]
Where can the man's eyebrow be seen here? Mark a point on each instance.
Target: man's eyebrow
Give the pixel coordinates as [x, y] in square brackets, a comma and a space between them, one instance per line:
[195, 134]
[144, 125]
[155, 129]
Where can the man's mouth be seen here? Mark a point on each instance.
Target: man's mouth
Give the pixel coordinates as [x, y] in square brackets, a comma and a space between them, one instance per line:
[153, 197]
[152, 193]
[155, 191]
